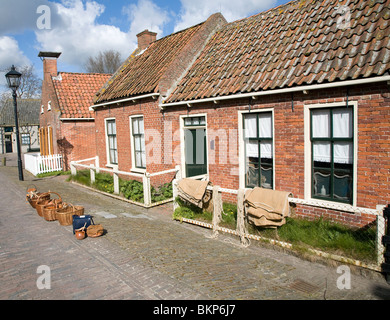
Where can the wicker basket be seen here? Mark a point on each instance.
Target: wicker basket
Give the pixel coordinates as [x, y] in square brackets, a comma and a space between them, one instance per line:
[65, 214]
[32, 195]
[49, 210]
[41, 201]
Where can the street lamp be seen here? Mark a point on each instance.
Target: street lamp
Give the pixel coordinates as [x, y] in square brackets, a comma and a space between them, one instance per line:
[13, 80]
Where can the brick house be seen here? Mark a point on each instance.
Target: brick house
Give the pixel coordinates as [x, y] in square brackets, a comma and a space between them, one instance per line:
[295, 99]
[67, 125]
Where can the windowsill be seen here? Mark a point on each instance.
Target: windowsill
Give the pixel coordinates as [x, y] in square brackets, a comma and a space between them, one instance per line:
[138, 170]
[329, 204]
[111, 165]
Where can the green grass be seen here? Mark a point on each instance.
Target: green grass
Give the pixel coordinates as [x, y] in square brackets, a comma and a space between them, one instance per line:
[50, 174]
[320, 234]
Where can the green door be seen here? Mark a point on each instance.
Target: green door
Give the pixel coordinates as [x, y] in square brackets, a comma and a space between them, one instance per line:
[195, 151]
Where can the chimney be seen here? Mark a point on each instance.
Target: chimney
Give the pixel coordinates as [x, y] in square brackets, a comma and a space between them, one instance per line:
[145, 38]
[49, 63]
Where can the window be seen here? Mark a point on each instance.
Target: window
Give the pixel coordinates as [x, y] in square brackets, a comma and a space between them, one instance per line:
[25, 139]
[111, 140]
[258, 138]
[332, 146]
[138, 142]
[195, 146]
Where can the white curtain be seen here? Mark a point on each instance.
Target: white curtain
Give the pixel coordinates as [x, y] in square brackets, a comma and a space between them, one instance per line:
[342, 128]
[265, 131]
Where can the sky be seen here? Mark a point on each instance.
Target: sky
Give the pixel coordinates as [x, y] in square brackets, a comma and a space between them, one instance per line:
[83, 28]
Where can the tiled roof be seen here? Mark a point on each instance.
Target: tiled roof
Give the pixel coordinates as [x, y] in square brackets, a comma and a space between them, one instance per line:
[28, 112]
[295, 44]
[76, 91]
[141, 72]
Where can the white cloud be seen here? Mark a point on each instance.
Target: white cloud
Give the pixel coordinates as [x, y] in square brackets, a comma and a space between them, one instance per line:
[10, 53]
[79, 36]
[194, 12]
[146, 15]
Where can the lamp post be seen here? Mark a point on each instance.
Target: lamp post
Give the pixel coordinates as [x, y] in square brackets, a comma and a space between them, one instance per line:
[13, 80]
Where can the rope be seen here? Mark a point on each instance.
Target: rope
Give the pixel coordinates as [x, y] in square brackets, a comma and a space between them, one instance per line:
[217, 210]
[240, 228]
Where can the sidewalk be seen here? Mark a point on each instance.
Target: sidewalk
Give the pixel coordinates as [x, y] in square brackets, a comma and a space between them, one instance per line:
[146, 255]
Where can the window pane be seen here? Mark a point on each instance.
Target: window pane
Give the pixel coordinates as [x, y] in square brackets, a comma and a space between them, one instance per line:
[137, 141]
[200, 146]
[141, 125]
[138, 159]
[321, 123]
[143, 159]
[265, 125]
[343, 152]
[135, 126]
[252, 174]
[322, 182]
[266, 149]
[187, 121]
[266, 176]
[342, 123]
[252, 148]
[250, 125]
[342, 185]
[321, 151]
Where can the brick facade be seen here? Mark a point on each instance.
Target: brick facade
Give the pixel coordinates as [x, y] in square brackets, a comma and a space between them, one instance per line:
[163, 142]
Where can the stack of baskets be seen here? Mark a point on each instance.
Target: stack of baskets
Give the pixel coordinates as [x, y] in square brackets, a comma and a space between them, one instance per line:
[53, 209]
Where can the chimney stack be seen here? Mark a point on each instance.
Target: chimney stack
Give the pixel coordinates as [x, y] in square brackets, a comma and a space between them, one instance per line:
[145, 38]
[49, 63]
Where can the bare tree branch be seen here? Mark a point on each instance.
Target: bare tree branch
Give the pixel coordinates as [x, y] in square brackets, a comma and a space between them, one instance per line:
[104, 62]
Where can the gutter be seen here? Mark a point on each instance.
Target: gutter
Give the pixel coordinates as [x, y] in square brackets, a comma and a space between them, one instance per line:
[76, 119]
[153, 95]
[253, 95]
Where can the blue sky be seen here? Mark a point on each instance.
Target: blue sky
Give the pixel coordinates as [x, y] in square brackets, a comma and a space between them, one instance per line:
[82, 28]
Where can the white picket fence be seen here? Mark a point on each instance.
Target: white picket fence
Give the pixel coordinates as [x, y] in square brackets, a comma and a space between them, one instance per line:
[37, 164]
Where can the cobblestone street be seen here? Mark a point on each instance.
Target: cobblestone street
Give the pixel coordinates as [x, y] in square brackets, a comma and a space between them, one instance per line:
[145, 255]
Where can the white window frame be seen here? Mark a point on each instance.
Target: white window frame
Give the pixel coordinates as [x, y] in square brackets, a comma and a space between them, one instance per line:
[241, 144]
[182, 149]
[308, 153]
[132, 147]
[109, 164]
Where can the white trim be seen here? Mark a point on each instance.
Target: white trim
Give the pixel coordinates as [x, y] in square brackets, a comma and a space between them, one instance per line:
[91, 108]
[109, 164]
[307, 148]
[133, 167]
[241, 144]
[190, 103]
[182, 144]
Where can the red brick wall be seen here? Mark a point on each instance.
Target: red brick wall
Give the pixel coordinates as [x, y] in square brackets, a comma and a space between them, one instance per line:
[373, 132]
[77, 141]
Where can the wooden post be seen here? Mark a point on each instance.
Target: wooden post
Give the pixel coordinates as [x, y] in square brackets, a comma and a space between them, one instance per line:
[97, 164]
[147, 191]
[92, 172]
[73, 169]
[380, 232]
[116, 180]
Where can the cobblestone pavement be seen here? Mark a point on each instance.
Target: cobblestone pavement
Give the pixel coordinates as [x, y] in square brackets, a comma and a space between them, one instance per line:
[146, 255]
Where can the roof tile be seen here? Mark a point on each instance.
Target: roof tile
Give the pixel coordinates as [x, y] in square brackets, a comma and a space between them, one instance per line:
[293, 44]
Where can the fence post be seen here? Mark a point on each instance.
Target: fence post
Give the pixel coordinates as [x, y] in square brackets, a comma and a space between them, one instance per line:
[175, 194]
[178, 172]
[73, 169]
[92, 173]
[380, 232]
[116, 180]
[97, 164]
[147, 191]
